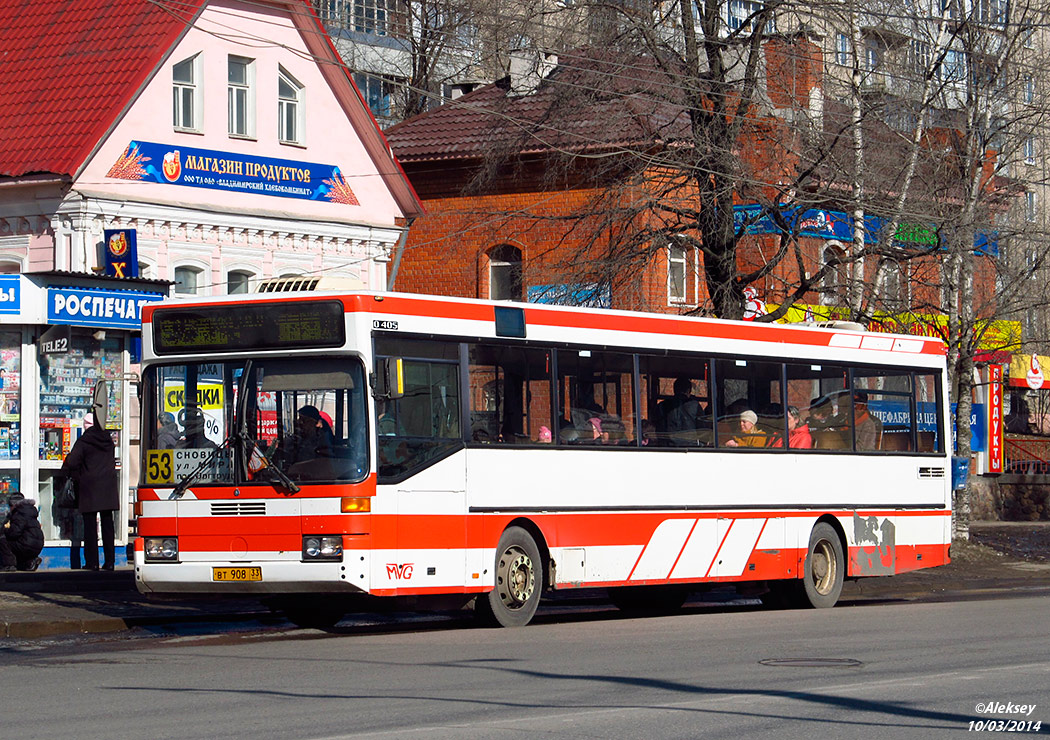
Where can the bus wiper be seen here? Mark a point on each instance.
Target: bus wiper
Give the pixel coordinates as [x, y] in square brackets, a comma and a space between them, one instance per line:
[257, 462]
[187, 480]
[253, 459]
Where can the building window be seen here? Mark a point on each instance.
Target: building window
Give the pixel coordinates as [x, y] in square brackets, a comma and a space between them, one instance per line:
[10, 268]
[894, 287]
[742, 14]
[677, 271]
[187, 280]
[921, 57]
[1029, 89]
[505, 281]
[1029, 150]
[872, 55]
[237, 281]
[185, 104]
[1030, 206]
[289, 108]
[991, 12]
[371, 16]
[378, 92]
[240, 96]
[842, 49]
[833, 287]
[954, 67]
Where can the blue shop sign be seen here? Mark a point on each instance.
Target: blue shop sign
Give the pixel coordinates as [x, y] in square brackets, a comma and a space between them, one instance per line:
[108, 309]
[10, 294]
[168, 164]
[823, 224]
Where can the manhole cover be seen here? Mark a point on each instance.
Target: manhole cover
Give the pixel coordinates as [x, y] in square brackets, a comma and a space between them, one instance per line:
[811, 662]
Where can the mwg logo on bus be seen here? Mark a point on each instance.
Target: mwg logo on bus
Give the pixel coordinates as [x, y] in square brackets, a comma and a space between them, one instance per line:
[399, 571]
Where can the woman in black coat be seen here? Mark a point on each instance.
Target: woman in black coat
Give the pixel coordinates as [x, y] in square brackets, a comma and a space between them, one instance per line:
[91, 463]
[22, 539]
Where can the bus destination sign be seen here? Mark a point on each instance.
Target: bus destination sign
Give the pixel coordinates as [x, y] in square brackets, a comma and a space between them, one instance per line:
[248, 326]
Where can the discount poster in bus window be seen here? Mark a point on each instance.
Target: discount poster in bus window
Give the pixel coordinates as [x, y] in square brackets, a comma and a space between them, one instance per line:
[210, 402]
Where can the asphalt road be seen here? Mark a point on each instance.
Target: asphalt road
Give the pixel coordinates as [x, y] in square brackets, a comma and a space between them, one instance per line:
[877, 670]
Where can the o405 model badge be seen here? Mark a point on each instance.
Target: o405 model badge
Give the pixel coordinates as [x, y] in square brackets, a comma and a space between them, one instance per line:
[384, 324]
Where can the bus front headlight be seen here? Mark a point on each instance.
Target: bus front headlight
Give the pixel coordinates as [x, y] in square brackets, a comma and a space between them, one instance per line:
[323, 547]
[162, 549]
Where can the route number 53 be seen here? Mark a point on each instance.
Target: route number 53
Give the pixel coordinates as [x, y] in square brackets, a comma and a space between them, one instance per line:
[159, 466]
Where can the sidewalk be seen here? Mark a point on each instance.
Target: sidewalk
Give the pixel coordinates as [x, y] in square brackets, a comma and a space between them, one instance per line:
[64, 602]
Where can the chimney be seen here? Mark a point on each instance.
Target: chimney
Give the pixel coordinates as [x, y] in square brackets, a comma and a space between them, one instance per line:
[528, 68]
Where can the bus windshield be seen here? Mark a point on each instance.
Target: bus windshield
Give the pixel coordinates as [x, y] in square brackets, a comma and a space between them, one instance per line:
[305, 416]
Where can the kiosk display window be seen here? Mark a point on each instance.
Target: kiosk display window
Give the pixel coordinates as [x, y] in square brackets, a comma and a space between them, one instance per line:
[66, 384]
[10, 415]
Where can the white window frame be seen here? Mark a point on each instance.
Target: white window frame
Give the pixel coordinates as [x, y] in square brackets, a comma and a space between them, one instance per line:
[373, 17]
[1029, 150]
[1030, 206]
[1029, 89]
[248, 276]
[290, 110]
[842, 50]
[193, 91]
[187, 268]
[739, 14]
[240, 98]
[677, 258]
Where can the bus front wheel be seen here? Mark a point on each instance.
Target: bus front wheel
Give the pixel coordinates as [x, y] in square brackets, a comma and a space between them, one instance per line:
[825, 567]
[519, 581]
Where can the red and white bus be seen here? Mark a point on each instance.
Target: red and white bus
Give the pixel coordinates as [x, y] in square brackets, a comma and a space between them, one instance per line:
[329, 448]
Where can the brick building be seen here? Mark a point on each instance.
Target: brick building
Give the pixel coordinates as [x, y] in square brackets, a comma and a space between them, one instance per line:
[520, 180]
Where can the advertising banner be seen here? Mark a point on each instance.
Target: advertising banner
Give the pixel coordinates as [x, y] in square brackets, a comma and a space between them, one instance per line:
[995, 419]
[824, 224]
[109, 309]
[122, 252]
[1030, 371]
[10, 293]
[243, 173]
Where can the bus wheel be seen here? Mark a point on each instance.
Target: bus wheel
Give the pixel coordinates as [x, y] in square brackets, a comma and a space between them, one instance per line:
[519, 582]
[825, 567]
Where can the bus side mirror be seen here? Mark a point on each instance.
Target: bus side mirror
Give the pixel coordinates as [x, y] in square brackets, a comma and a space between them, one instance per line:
[391, 379]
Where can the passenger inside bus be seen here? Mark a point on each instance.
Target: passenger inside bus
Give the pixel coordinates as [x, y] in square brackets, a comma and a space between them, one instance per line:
[749, 435]
[312, 439]
[799, 437]
[676, 417]
[868, 428]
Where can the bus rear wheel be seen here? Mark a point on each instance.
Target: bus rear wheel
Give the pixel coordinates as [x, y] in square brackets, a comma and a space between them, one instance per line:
[519, 582]
[825, 567]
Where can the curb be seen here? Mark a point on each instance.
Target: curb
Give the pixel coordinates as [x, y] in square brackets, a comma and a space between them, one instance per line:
[30, 628]
[36, 628]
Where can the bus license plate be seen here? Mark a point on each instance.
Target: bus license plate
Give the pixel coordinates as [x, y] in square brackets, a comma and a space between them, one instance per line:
[253, 573]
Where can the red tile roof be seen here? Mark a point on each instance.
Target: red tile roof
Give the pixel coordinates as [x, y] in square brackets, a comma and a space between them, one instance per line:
[69, 68]
[590, 101]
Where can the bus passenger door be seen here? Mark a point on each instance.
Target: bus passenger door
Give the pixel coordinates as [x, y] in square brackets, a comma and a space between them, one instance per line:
[431, 537]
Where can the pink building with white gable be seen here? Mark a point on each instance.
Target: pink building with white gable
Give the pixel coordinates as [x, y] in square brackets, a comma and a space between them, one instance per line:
[212, 145]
